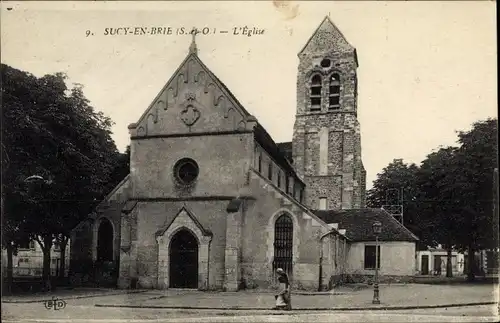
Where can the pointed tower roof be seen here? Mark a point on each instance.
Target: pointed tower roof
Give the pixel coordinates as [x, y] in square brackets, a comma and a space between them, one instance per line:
[327, 38]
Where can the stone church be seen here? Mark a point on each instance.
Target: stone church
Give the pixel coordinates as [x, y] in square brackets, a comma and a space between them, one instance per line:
[213, 203]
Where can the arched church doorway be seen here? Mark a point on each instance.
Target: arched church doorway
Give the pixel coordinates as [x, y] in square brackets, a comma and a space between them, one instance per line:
[105, 241]
[183, 260]
[283, 244]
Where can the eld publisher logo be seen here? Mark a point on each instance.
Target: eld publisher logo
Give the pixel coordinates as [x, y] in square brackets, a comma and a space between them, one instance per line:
[55, 304]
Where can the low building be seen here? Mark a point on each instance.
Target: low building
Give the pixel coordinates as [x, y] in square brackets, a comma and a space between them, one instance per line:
[396, 244]
[433, 262]
[28, 262]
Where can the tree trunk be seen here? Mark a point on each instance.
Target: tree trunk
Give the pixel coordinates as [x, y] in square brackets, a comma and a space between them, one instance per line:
[471, 260]
[62, 265]
[46, 246]
[449, 268]
[10, 252]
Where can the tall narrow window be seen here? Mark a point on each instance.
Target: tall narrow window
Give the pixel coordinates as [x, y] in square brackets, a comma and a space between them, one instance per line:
[260, 163]
[287, 184]
[334, 95]
[355, 86]
[316, 93]
[270, 171]
[322, 203]
[279, 178]
[256, 157]
[283, 244]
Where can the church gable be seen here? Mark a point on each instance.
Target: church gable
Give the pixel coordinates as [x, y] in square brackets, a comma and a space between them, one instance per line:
[185, 219]
[193, 100]
[327, 38]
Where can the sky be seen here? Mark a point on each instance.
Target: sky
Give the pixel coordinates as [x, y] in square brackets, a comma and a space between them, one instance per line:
[426, 69]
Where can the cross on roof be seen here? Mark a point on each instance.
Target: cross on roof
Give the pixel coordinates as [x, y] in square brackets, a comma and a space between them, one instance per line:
[193, 48]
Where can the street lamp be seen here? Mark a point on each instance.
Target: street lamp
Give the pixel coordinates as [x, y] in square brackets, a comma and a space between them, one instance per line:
[377, 229]
[37, 178]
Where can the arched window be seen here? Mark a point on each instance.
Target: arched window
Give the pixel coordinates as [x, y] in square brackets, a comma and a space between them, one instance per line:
[105, 241]
[334, 95]
[316, 93]
[283, 243]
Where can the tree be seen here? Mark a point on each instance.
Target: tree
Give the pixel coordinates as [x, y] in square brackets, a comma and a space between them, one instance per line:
[478, 157]
[16, 159]
[449, 199]
[398, 183]
[122, 168]
[438, 199]
[54, 132]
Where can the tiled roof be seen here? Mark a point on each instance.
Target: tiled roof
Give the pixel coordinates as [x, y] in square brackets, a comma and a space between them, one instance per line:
[358, 224]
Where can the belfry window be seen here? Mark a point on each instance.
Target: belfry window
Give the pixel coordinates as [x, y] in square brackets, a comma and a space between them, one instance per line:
[334, 93]
[316, 93]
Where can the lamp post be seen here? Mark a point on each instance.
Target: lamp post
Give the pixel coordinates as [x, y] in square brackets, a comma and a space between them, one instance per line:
[377, 229]
[37, 179]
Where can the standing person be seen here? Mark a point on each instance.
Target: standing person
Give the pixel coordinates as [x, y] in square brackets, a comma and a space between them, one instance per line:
[283, 299]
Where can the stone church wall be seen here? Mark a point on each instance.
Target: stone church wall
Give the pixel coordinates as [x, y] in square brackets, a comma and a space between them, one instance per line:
[342, 181]
[222, 160]
[153, 216]
[258, 239]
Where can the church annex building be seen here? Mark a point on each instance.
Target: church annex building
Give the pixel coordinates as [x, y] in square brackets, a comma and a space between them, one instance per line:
[213, 203]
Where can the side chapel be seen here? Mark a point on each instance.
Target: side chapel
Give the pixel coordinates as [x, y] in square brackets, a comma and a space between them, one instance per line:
[212, 202]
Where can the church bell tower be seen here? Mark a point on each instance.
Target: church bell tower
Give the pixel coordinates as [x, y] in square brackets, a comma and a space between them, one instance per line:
[326, 147]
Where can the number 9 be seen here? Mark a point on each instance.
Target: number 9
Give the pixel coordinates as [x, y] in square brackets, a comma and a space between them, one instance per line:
[88, 33]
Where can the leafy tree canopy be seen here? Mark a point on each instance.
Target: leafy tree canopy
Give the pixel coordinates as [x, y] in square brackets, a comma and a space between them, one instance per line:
[52, 131]
[448, 199]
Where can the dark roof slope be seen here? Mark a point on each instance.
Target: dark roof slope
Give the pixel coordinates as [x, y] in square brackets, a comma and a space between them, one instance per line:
[358, 224]
[263, 138]
[286, 149]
